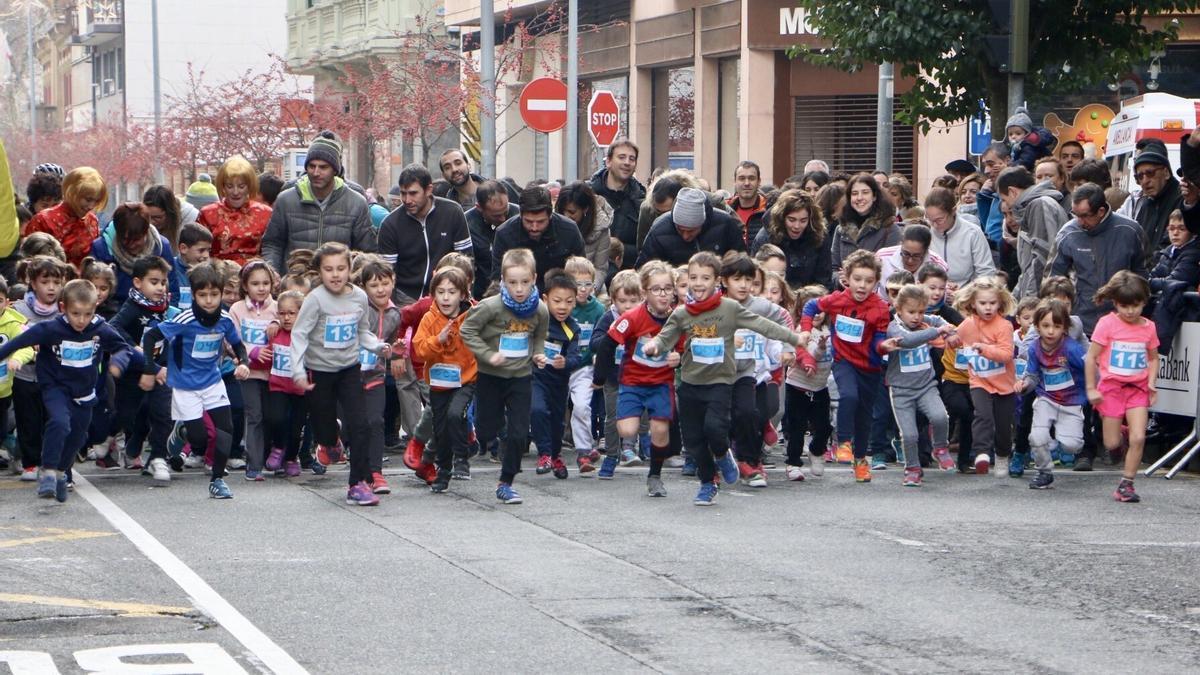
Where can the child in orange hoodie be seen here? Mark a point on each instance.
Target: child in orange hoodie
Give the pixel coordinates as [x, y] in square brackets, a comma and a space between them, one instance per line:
[450, 368]
[987, 338]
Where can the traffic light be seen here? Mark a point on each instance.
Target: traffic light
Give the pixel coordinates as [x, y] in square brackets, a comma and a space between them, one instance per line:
[1008, 46]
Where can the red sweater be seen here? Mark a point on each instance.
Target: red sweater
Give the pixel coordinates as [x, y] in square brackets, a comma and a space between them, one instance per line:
[857, 327]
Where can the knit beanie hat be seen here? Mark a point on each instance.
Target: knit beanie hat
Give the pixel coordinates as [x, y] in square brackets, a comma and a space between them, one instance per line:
[688, 211]
[327, 150]
[202, 192]
[1021, 119]
[1153, 151]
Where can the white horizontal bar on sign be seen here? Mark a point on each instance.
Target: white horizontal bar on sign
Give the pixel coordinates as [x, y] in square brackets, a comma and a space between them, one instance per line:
[547, 104]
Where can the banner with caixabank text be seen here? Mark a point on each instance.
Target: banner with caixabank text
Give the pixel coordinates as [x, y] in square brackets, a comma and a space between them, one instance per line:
[1178, 373]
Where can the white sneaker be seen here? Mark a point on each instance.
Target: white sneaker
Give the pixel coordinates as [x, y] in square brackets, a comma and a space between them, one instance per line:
[793, 473]
[674, 462]
[193, 462]
[160, 470]
[98, 451]
[982, 464]
[29, 475]
[818, 464]
[235, 464]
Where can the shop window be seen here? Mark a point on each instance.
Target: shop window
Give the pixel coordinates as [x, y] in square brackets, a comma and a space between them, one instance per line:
[673, 114]
[730, 94]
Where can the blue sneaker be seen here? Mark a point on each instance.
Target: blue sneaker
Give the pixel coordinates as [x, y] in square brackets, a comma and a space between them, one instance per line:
[506, 494]
[45, 486]
[317, 468]
[898, 450]
[219, 490]
[706, 495]
[1067, 459]
[879, 462]
[1056, 453]
[176, 440]
[607, 468]
[689, 467]
[728, 468]
[254, 476]
[1016, 464]
[630, 458]
[60, 489]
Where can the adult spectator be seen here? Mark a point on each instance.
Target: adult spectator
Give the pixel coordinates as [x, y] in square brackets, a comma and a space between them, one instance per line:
[73, 221]
[128, 237]
[1038, 217]
[43, 191]
[830, 200]
[238, 221]
[1089, 171]
[1070, 153]
[691, 226]
[957, 241]
[163, 210]
[881, 177]
[995, 159]
[1160, 196]
[967, 193]
[593, 215]
[413, 238]
[616, 184]
[320, 208]
[269, 187]
[960, 169]
[661, 198]
[10, 222]
[551, 237]
[797, 227]
[1095, 245]
[394, 200]
[1050, 169]
[747, 203]
[456, 170]
[816, 165]
[201, 192]
[912, 252]
[1189, 172]
[900, 192]
[867, 222]
[492, 210]
[813, 181]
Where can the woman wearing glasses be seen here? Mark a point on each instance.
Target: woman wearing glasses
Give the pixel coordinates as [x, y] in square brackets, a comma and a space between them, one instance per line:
[912, 252]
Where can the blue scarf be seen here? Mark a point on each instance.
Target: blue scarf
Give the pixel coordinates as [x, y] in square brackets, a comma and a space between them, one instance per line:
[521, 309]
[139, 299]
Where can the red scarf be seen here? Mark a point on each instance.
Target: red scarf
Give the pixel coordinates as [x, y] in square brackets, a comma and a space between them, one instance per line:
[697, 308]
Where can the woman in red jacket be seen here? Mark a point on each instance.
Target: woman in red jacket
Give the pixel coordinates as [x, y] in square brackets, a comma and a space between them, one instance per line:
[238, 221]
[73, 221]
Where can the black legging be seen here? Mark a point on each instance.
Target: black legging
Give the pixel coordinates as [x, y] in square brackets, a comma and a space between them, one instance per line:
[286, 417]
[342, 387]
[197, 436]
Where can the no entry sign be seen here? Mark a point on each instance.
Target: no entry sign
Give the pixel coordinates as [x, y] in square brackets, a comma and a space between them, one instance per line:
[603, 117]
[544, 104]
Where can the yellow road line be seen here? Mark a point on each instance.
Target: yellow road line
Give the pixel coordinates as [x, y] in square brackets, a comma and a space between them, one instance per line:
[126, 609]
[49, 534]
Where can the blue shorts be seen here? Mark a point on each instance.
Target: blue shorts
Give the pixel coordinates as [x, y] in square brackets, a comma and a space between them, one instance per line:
[656, 400]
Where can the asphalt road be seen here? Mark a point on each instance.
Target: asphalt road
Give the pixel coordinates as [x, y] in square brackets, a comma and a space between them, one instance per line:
[967, 574]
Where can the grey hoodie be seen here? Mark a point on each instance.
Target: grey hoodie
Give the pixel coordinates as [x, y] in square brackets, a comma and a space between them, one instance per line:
[1039, 216]
[330, 329]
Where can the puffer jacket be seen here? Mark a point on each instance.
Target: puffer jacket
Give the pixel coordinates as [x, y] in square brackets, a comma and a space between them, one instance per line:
[871, 235]
[596, 244]
[298, 222]
[648, 214]
[1040, 218]
[625, 204]
[721, 232]
[807, 261]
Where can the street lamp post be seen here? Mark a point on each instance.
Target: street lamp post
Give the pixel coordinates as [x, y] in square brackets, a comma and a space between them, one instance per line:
[33, 140]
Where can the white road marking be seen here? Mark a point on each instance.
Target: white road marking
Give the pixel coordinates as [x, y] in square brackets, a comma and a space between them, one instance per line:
[201, 594]
[898, 540]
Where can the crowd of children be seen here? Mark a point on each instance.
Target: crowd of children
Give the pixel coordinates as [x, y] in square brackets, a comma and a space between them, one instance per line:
[234, 368]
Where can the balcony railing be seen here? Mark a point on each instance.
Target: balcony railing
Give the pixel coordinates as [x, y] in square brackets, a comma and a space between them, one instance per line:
[104, 22]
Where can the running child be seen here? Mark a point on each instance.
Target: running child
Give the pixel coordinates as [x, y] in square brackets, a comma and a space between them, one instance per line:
[12, 323]
[625, 290]
[1056, 375]
[377, 279]
[192, 341]
[1121, 369]
[287, 408]
[334, 323]
[551, 383]
[507, 335]
[1022, 336]
[709, 322]
[807, 401]
[588, 310]
[195, 244]
[450, 369]
[987, 339]
[254, 316]
[70, 349]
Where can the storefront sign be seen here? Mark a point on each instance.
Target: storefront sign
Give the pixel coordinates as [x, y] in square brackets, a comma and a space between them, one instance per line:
[780, 24]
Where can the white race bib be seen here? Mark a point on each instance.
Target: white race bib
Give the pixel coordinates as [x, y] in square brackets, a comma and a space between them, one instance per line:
[962, 360]
[281, 363]
[185, 297]
[76, 354]
[848, 329]
[1020, 366]
[3, 370]
[551, 349]
[367, 359]
[1127, 358]
[341, 331]
[749, 349]
[585, 332]
[982, 366]
[1057, 379]
[708, 351]
[619, 354]
[445, 376]
[514, 345]
[915, 360]
[254, 332]
[639, 354]
[207, 345]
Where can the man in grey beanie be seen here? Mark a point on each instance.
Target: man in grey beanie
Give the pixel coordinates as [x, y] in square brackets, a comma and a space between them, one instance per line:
[691, 226]
[320, 208]
[1160, 196]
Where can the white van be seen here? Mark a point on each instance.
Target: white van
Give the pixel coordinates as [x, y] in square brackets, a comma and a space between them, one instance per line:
[1162, 116]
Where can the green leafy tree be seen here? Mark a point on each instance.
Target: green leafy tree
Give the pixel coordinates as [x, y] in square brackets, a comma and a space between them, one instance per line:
[940, 45]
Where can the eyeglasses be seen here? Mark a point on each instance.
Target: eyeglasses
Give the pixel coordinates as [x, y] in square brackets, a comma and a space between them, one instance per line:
[661, 290]
[911, 256]
[1149, 173]
[584, 284]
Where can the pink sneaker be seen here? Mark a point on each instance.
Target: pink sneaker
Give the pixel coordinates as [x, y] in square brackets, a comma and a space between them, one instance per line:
[360, 494]
[275, 459]
[943, 458]
[291, 469]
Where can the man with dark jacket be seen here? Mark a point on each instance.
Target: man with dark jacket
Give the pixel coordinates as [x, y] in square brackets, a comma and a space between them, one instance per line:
[414, 237]
[748, 204]
[491, 211]
[552, 238]
[456, 169]
[1189, 171]
[320, 208]
[1160, 196]
[691, 226]
[623, 192]
[1095, 245]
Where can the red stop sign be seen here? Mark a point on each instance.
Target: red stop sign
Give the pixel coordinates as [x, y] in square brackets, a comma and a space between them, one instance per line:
[544, 104]
[603, 117]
